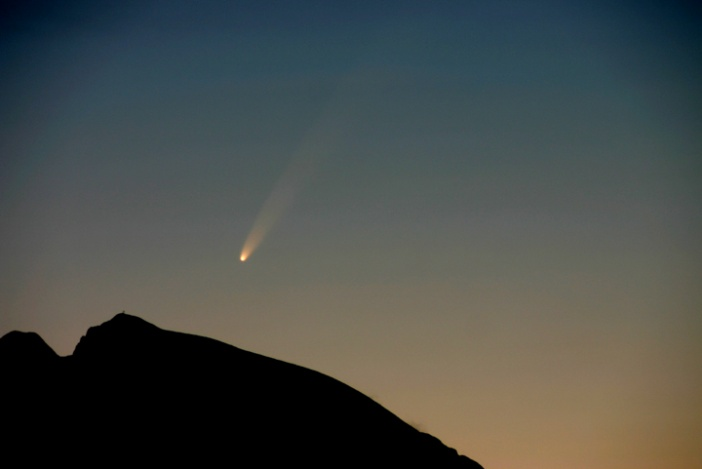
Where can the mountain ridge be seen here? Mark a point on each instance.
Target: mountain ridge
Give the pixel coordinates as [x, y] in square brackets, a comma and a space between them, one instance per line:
[167, 395]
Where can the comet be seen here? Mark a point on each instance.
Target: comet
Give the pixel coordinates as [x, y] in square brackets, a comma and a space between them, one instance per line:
[321, 140]
[300, 170]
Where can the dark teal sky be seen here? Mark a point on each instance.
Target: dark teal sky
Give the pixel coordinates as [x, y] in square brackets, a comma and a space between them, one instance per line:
[495, 234]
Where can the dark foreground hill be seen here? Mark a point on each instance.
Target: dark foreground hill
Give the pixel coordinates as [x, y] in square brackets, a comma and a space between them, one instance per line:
[137, 394]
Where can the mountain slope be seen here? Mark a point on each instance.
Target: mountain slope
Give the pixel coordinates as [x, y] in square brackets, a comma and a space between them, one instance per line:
[133, 390]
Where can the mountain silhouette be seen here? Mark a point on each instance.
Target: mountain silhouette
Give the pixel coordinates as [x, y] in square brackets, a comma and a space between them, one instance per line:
[134, 393]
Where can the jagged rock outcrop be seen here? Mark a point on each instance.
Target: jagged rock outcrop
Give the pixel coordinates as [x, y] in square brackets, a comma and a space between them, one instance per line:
[134, 392]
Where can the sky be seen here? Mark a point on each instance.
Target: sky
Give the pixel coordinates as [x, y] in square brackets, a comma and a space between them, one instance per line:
[484, 215]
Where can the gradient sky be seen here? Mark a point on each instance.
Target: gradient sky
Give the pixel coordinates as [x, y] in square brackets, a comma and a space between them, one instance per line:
[495, 232]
